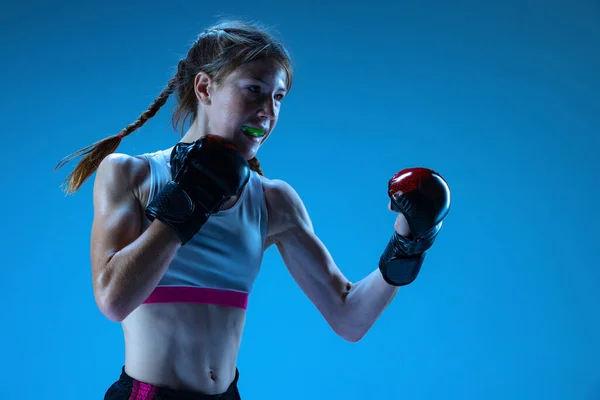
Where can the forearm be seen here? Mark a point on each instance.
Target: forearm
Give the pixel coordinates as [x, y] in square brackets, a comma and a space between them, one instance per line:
[135, 271]
[365, 302]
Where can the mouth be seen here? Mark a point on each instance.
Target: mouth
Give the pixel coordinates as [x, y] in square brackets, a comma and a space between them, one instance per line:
[252, 132]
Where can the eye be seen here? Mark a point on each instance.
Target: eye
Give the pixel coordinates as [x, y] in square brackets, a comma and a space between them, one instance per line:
[254, 88]
[279, 97]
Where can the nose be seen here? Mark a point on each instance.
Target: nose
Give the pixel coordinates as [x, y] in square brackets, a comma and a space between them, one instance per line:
[268, 109]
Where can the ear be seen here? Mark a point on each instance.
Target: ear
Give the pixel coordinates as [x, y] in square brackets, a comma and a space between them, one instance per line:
[202, 87]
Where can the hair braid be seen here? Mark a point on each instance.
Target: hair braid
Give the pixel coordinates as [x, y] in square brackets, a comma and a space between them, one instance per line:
[93, 154]
[153, 109]
[255, 165]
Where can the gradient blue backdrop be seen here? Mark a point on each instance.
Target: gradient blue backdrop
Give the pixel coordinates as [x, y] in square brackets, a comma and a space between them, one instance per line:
[502, 97]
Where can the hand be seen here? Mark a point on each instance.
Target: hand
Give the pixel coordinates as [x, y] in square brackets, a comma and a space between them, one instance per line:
[422, 199]
[206, 174]
[400, 224]
[212, 169]
[422, 196]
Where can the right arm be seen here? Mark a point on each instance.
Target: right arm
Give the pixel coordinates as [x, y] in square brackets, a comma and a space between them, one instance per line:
[126, 264]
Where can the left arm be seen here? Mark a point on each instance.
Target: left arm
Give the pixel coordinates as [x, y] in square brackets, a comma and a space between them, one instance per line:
[349, 308]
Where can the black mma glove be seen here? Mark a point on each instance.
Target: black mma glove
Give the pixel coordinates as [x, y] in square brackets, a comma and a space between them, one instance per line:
[423, 197]
[206, 174]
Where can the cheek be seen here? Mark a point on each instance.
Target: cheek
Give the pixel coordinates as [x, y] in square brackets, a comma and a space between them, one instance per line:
[230, 110]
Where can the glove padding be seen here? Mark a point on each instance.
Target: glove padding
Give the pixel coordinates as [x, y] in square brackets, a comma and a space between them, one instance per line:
[206, 173]
[423, 197]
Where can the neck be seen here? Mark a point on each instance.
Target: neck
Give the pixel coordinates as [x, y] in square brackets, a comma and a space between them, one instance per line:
[194, 132]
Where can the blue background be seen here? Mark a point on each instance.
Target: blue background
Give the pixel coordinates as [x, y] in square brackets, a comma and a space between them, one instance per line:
[501, 97]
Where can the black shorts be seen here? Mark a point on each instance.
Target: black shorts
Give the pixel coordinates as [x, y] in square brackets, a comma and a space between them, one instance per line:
[127, 388]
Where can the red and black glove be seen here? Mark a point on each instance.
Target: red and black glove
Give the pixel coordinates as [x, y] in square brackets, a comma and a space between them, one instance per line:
[423, 197]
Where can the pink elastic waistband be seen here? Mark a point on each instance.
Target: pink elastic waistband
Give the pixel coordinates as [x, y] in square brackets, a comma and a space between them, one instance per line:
[192, 294]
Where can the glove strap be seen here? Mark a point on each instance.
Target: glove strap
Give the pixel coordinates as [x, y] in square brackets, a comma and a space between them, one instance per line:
[399, 264]
[174, 207]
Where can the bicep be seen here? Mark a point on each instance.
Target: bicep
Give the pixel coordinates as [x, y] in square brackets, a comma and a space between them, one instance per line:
[117, 217]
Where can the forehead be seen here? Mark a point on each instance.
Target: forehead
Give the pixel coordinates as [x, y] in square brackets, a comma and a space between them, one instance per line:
[267, 70]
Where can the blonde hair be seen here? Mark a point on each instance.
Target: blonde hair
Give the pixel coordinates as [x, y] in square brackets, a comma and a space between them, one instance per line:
[218, 51]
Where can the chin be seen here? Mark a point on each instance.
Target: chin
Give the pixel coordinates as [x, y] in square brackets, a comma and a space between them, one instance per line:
[250, 154]
[247, 147]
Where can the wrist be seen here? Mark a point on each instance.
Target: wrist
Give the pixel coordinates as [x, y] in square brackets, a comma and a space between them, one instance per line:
[175, 209]
[400, 264]
[165, 233]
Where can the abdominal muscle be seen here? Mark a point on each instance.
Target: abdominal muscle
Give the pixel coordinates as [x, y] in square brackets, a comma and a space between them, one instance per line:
[191, 347]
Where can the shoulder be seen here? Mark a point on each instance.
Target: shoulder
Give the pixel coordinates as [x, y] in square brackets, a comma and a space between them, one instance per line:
[120, 173]
[285, 207]
[281, 196]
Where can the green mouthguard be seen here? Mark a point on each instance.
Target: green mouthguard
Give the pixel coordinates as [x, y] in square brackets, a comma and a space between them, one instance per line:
[255, 132]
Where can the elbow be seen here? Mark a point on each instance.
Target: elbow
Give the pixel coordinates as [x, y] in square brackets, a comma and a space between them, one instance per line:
[110, 308]
[347, 330]
[108, 301]
[352, 336]
[112, 311]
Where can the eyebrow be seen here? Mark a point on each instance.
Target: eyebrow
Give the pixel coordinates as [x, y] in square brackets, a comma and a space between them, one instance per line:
[266, 83]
